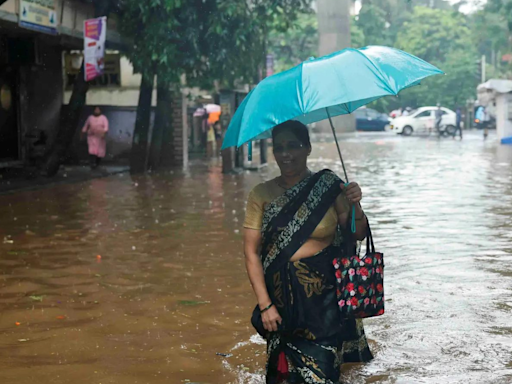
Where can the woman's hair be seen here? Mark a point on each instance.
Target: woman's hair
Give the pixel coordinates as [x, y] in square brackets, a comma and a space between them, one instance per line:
[299, 130]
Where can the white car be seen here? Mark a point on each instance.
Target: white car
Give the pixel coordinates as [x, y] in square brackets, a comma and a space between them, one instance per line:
[423, 120]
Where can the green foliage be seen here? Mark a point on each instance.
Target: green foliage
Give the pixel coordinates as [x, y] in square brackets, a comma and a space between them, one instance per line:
[373, 24]
[296, 44]
[164, 40]
[357, 38]
[205, 40]
[503, 8]
[432, 34]
[490, 31]
[443, 38]
[438, 33]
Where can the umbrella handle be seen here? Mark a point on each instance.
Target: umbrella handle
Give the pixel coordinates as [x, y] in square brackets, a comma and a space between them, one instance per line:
[353, 216]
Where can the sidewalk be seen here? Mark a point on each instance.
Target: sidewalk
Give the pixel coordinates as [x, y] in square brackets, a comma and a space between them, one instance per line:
[23, 179]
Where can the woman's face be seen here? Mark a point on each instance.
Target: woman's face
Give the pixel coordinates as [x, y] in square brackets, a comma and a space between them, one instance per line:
[291, 155]
[97, 111]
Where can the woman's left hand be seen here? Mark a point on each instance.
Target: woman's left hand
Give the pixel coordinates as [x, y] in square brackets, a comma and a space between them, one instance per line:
[353, 192]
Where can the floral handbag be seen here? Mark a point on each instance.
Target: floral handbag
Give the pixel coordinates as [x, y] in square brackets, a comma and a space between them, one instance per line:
[360, 282]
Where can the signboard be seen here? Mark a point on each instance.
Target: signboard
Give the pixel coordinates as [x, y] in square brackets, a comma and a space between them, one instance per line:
[39, 15]
[111, 75]
[95, 34]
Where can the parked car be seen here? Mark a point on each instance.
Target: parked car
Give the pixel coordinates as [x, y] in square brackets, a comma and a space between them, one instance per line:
[422, 120]
[368, 119]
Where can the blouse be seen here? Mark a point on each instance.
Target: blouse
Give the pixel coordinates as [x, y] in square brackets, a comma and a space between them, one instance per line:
[264, 193]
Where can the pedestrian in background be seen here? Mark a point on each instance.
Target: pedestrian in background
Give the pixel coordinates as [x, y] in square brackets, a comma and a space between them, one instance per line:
[210, 140]
[439, 117]
[96, 128]
[458, 121]
[218, 137]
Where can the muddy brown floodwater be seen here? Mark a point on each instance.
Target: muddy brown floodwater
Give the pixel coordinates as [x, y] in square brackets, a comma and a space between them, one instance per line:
[141, 280]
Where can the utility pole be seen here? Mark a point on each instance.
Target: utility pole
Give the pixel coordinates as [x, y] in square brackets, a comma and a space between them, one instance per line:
[334, 35]
[483, 68]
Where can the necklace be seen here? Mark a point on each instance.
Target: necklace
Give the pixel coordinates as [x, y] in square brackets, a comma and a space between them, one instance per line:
[308, 173]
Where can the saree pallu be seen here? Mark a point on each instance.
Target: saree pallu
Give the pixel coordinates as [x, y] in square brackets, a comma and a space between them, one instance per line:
[313, 341]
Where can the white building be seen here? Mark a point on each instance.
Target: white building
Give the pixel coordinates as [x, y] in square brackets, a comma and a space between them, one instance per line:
[496, 95]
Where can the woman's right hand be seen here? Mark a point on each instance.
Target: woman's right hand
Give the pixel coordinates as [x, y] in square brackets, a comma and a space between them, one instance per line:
[271, 319]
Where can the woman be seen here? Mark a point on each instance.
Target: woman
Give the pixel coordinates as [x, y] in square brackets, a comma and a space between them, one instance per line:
[210, 140]
[96, 128]
[294, 228]
[218, 137]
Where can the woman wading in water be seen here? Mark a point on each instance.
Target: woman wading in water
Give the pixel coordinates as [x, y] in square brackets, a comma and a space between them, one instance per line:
[293, 230]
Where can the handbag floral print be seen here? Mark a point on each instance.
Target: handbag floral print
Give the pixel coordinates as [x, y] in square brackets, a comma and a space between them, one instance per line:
[360, 283]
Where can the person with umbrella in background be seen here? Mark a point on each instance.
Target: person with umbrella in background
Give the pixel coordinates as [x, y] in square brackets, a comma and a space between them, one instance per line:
[297, 223]
[214, 112]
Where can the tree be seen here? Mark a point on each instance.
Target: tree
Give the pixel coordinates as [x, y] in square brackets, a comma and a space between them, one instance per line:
[245, 31]
[442, 38]
[437, 32]
[357, 38]
[164, 43]
[373, 24]
[203, 40]
[296, 44]
[503, 8]
[431, 34]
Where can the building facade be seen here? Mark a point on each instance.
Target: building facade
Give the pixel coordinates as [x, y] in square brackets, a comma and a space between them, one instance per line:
[41, 43]
[33, 36]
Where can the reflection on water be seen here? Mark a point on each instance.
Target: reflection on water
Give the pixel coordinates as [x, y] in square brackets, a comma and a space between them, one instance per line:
[142, 280]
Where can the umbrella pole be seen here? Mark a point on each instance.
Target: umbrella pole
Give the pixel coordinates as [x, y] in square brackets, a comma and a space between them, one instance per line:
[337, 145]
[353, 219]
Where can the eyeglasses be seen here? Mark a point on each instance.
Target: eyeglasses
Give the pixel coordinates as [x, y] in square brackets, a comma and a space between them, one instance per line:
[294, 146]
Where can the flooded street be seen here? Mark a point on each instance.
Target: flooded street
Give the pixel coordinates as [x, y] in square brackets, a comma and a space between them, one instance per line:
[142, 279]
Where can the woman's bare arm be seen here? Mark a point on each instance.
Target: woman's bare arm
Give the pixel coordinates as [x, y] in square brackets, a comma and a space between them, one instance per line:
[252, 244]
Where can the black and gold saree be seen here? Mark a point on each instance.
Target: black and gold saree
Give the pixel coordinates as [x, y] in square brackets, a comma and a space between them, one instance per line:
[312, 342]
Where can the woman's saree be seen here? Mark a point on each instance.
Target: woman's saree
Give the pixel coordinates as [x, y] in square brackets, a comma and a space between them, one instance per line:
[312, 342]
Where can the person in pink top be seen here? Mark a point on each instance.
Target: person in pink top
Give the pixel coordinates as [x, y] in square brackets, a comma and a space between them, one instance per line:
[96, 128]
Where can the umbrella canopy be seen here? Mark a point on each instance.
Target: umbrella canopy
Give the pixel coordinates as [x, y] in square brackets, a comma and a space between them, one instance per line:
[212, 108]
[332, 85]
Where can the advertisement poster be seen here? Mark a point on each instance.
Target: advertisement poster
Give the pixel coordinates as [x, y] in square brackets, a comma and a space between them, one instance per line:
[39, 15]
[95, 34]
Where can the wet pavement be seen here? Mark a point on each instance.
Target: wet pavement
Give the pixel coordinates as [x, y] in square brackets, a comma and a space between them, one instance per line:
[26, 179]
[141, 279]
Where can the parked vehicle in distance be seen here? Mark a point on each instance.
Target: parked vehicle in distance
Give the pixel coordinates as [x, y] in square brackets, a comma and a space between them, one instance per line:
[368, 119]
[422, 120]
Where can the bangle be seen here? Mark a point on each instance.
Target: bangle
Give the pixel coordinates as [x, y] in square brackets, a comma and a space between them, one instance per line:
[266, 308]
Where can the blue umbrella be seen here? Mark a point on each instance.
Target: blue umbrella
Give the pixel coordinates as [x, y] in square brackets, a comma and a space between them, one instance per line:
[333, 85]
[317, 89]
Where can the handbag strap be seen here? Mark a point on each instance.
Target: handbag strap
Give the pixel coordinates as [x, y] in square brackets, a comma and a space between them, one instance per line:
[369, 239]
[370, 246]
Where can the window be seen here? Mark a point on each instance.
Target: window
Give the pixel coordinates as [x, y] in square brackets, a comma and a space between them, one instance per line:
[372, 114]
[422, 114]
[360, 113]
